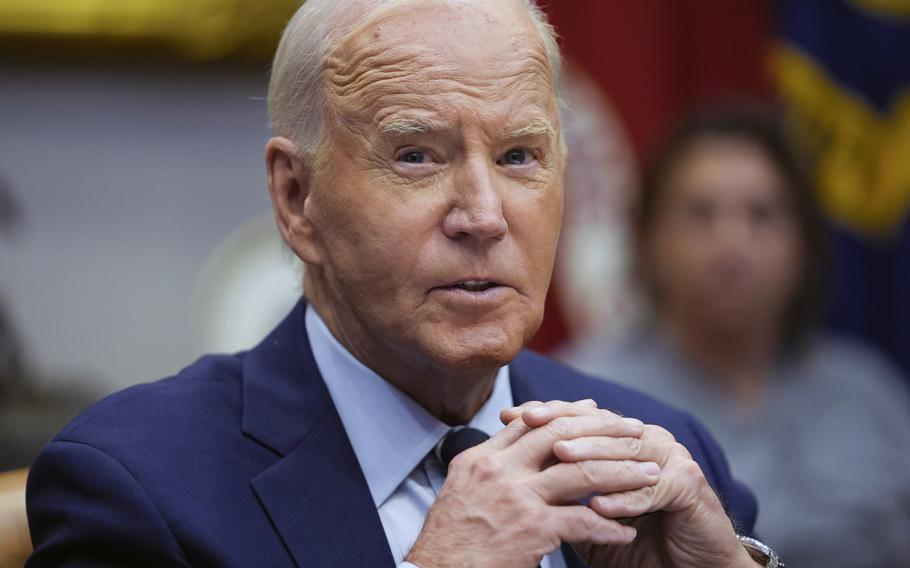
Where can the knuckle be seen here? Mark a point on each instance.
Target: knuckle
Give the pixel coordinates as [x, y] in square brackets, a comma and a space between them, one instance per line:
[608, 418]
[679, 450]
[631, 445]
[589, 472]
[507, 495]
[486, 468]
[630, 469]
[690, 472]
[645, 495]
[560, 428]
[640, 500]
[628, 502]
[532, 522]
[659, 433]
[590, 521]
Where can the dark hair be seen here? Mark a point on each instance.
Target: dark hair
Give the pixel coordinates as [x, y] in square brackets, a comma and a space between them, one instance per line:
[761, 126]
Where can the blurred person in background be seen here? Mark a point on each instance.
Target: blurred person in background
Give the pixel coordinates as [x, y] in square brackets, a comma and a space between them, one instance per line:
[730, 250]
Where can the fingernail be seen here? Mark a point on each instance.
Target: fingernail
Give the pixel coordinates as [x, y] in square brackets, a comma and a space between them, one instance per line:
[633, 421]
[570, 446]
[649, 468]
[587, 402]
[537, 412]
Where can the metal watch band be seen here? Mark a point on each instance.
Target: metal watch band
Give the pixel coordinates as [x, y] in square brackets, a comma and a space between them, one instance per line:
[760, 552]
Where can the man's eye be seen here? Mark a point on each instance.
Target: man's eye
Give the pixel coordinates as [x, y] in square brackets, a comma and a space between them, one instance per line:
[413, 157]
[515, 157]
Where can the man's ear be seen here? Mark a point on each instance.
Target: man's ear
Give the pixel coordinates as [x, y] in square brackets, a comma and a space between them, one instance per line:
[289, 187]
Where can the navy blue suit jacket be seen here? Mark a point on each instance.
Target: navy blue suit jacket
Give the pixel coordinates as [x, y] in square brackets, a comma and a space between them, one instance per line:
[242, 460]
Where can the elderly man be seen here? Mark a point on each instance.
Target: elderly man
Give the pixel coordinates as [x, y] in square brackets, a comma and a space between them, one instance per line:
[417, 172]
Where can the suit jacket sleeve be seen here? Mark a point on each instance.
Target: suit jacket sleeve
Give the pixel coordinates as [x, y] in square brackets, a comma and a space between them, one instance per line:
[86, 509]
[737, 499]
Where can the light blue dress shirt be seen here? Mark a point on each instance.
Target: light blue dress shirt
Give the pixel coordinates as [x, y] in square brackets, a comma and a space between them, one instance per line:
[393, 436]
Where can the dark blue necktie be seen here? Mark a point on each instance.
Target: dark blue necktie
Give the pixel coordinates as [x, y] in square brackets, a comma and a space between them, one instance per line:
[456, 441]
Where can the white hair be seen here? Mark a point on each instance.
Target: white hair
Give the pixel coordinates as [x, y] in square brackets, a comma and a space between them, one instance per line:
[297, 100]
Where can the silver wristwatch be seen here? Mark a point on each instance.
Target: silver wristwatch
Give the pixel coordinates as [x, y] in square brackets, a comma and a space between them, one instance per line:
[761, 552]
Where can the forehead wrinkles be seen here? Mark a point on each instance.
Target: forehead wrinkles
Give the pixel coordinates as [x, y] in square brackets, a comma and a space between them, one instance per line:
[369, 72]
[391, 83]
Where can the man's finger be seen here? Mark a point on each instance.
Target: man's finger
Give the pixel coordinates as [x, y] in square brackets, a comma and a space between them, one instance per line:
[510, 414]
[599, 448]
[646, 447]
[577, 523]
[535, 448]
[566, 482]
[507, 415]
[540, 415]
[625, 503]
[502, 439]
[659, 445]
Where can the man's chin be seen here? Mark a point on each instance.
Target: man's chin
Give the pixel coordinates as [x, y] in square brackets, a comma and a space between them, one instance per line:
[481, 362]
[479, 354]
[487, 341]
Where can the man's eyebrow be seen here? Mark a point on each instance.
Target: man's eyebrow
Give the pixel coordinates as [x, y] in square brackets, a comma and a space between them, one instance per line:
[537, 127]
[409, 125]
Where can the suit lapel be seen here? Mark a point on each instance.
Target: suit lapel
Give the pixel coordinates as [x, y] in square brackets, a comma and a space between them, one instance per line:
[315, 495]
[319, 502]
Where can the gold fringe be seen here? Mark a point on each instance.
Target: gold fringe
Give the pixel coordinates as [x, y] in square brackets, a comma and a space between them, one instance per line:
[863, 158]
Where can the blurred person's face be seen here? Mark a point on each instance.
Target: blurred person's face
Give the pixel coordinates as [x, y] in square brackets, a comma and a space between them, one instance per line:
[724, 249]
[430, 227]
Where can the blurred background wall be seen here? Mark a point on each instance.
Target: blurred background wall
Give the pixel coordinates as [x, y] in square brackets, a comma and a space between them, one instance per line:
[131, 141]
[126, 177]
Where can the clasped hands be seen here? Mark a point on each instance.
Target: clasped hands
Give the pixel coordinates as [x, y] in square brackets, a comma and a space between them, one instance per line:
[515, 498]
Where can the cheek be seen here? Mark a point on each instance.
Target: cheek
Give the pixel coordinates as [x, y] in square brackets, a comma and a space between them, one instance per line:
[679, 254]
[374, 237]
[535, 222]
[783, 262]
[678, 264]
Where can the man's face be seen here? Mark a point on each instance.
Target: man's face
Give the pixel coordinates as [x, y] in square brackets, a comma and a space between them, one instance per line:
[725, 246]
[437, 206]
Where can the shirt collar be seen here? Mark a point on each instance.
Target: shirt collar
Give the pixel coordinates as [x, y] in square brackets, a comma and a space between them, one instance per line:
[389, 432]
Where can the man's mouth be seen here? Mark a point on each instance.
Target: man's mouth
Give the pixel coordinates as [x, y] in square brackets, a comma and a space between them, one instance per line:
[475, 285]
[477, 293]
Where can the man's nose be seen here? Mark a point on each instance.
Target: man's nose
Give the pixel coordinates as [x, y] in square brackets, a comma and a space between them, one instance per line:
[476, 210]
